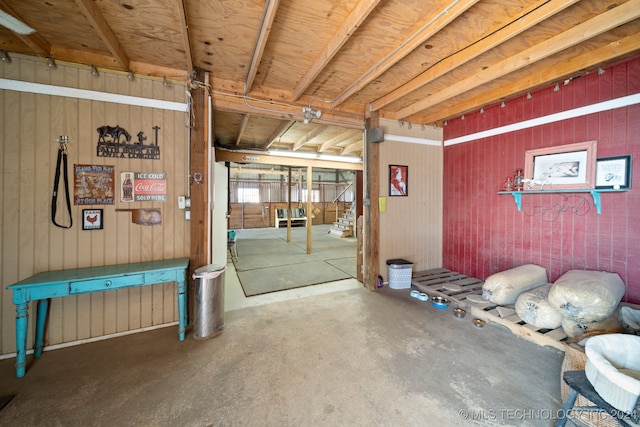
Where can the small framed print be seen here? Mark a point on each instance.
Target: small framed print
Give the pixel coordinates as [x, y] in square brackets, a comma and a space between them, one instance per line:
[614, 172]
[398, 180]
[92, 219]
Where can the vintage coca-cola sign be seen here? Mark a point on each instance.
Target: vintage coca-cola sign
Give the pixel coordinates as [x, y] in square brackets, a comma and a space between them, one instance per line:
[144, 186]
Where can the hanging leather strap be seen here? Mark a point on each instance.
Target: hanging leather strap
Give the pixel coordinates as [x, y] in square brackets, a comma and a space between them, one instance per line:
[62, 160]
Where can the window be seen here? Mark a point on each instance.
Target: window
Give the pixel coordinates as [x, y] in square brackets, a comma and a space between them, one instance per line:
[248, 195]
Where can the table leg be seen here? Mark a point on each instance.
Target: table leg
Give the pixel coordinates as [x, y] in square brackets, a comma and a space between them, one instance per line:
[22, 323]
[182, 308]
[41, 318]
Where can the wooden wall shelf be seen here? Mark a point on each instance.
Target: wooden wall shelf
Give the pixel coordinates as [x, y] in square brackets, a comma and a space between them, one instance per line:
[595, 193]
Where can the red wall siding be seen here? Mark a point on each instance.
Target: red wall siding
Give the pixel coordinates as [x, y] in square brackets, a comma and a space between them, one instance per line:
[483, 231]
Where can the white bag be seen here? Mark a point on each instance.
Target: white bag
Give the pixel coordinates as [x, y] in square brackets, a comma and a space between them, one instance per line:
[532, 307]
[587, 296]
[504, 288]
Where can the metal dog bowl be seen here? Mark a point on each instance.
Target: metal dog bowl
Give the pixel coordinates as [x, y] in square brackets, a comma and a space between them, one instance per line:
[440, 302]
[478, 323]
[459, 312]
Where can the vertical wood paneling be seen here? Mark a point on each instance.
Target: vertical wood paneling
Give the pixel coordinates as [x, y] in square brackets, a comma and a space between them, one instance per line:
[607, 242]
[411, 227]
[30, 243]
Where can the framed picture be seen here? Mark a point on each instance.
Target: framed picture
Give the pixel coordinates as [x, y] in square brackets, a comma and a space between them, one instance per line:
[398, 180]
[92, 219]
[565, 167]
[614, 172]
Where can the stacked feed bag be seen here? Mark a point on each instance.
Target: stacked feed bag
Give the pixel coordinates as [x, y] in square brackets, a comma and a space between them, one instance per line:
[532, 307]
[504, 287]
[613, 368]
[587, 296]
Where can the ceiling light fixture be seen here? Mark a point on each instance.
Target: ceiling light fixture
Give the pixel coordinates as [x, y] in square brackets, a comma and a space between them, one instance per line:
[51, 63]
[600, 71]
[462, 117]
[556, 88]
[15, 25]
[315, 156]
[4, 56]
[529, 96]
[130, 75]
[503, 105]
[94, 71]
[310, 114]
[481, 110]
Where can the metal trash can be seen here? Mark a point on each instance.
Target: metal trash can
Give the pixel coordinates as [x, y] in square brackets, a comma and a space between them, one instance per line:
[400, 271]
[209, 301]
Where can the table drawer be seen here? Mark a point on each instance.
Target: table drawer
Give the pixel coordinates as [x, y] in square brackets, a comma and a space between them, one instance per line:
[104, 284]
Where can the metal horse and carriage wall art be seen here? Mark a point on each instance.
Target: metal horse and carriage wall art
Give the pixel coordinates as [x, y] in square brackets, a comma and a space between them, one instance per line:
[114, 141]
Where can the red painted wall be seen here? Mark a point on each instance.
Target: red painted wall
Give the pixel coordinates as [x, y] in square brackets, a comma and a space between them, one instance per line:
[483, 231]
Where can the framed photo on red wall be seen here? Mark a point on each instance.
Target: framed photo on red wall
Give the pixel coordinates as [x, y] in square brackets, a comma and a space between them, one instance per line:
[563, 167]
[614, 172]
[398, 180]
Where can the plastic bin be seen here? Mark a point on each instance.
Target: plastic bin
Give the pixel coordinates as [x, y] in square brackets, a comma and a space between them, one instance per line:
[208, 316]
[400, 271]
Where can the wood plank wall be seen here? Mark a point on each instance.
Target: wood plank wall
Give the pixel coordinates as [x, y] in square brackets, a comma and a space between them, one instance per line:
[30, 243]
[411, 227]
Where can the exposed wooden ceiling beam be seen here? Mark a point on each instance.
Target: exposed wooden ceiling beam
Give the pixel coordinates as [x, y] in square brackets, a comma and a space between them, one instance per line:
[263, 36]
[536, 13]
[355, 147]
[100, 25]
[184, 27]
[34, 41]
[308, 137]
[428, 29]
[243, 127]
[348, 27]
[589, 60]
[347, 134]
[604, 22]
[280, 130]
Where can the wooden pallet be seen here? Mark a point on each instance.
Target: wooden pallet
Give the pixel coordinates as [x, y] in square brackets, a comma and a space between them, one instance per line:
[439, 281]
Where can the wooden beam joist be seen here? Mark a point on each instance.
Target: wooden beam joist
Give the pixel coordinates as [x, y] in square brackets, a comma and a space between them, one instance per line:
[308, 137]
[243, 127]
[280, 130]
[348, 27]
[342, 136]
[186, 42]
[600, 24]
[536, 13]
[443, 18]
[100, 25]
[589, 60]
[263, 36]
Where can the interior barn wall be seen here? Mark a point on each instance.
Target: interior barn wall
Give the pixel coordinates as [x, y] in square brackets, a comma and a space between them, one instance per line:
[411, 227]
[484, 233]
[30, 243]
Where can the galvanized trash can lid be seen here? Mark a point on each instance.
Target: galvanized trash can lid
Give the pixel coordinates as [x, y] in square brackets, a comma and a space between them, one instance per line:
[210, 271]
[398, 261]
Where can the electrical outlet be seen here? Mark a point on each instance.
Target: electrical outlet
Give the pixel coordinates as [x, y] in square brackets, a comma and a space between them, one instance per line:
[181, 202]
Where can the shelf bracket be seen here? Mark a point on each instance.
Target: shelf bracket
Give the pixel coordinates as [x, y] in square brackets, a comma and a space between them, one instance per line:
[518, 199]
[596, 201]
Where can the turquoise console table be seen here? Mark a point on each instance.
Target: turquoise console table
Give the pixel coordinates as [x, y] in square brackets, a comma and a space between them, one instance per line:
[61, 283]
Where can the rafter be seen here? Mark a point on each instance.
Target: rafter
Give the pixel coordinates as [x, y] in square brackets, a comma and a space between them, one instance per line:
[352, 148]
[100, 25]
[184, 27]
[347, 134]
[34, 41]
[428, 29]
[280, 130]
[578, 64]
[604, 22]
[348, 27]
[308, 137]
[243, 127]
[536, 13]
[263, 36]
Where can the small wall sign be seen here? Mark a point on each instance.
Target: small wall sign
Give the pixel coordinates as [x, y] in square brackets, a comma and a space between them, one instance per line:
[92, 219]
[93, 184]
[143, 187]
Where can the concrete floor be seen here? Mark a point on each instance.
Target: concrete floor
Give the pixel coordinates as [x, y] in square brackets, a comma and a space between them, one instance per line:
[331, 355]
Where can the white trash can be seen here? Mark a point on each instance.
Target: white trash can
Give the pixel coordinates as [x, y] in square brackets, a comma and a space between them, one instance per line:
[400, 271]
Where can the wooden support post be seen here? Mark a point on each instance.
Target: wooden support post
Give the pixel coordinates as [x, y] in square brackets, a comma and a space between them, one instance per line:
[308, 210]
[199, 189]
[371, 211]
